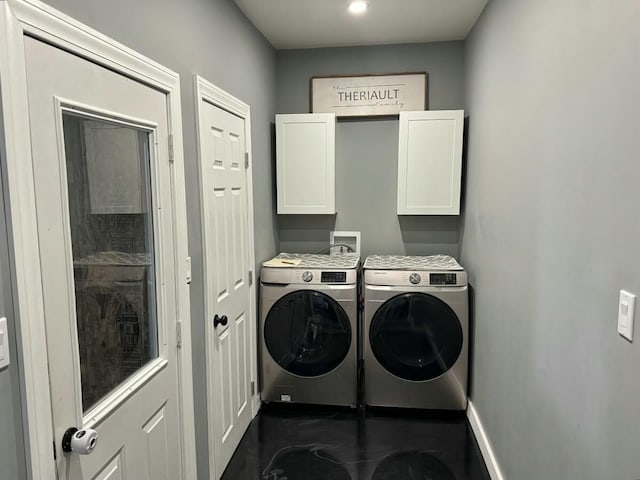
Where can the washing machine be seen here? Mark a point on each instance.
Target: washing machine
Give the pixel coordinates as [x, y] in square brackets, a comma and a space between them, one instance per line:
[309, 328]
[416, 332]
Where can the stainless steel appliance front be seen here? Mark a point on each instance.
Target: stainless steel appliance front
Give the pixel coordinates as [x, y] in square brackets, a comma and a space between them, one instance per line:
[308, 336]
[416, 339]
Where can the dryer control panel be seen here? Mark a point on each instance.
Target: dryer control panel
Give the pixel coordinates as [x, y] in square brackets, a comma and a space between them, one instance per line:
[420, 278]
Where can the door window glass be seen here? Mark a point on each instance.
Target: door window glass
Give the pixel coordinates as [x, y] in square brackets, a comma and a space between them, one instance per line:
[307, 333]
[109, 186]
[416, 336]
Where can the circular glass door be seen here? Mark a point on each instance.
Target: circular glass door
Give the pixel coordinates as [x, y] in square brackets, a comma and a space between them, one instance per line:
[416, 336]
[307, 333]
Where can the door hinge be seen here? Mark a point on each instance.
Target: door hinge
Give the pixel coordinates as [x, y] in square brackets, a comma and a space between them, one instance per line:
[171, 149]
[250, 278]
[179, 334]
[253, 388]
[246, 159]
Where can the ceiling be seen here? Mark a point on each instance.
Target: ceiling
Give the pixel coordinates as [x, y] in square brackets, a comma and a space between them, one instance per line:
[291, 24]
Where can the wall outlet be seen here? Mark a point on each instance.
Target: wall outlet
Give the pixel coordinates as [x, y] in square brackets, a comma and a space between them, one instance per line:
[346, 242]
[626, 310]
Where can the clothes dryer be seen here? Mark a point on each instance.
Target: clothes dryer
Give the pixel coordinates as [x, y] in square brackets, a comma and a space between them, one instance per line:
[416, 329]
[308, 329]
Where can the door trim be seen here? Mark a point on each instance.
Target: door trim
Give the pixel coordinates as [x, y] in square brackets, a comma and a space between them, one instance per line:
[206, 91]
[19, 18]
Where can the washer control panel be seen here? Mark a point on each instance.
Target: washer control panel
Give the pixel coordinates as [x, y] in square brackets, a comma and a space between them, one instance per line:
[333, 277]
[442, 279]
[326, 277]
[308, 276]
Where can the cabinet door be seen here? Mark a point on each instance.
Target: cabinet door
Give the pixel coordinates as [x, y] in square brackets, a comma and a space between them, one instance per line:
[430, 162]
[305, 151]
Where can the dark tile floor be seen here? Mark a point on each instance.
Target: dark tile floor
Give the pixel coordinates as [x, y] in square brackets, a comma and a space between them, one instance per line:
[312, 443]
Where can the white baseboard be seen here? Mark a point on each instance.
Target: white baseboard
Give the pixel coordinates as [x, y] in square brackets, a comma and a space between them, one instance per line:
[483, 442]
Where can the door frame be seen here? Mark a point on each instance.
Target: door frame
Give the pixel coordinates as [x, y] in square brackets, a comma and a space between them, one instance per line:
[208, 92]
[33, 18]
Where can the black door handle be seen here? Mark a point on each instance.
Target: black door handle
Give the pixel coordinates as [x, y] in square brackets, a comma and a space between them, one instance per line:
[220, 321]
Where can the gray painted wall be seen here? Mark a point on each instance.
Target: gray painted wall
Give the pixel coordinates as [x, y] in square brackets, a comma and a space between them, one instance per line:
[367, 149]
[551, 234]
[12, 460]
[214, 39]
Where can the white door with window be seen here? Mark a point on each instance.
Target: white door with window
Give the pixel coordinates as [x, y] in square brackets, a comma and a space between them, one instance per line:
[102, 175]
[228, 292]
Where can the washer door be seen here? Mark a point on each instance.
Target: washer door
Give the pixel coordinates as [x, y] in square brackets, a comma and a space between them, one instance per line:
[307, 333]
[416, 336]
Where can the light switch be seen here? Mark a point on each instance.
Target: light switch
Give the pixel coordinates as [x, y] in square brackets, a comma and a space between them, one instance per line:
[4, 343]
[626, 310]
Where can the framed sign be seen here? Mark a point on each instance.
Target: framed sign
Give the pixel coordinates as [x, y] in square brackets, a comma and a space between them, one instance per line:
[368, 95]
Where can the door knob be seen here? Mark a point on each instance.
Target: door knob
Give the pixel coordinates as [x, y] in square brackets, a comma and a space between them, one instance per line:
[220, 321]
[79, 441]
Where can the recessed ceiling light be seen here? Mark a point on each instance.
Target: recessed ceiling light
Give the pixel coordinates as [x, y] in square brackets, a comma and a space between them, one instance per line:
[358, 6]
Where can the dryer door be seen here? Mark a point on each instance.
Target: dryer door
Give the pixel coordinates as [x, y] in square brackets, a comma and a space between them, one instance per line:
[416, 336]
[307, 333]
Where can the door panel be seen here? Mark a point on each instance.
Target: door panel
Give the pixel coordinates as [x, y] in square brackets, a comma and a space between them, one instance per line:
[105, 231]
[237, 214]
[226, 386]
[157, 445]
[226, 252]
[242, 397]
[218, 251]
[113, 470]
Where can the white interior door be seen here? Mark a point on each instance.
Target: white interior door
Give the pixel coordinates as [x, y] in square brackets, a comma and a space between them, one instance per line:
[226, 270]
[105, 230]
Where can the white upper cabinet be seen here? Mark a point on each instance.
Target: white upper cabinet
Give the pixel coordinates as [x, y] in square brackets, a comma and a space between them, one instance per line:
[114, 157]
[430, 162]
[305, 162]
